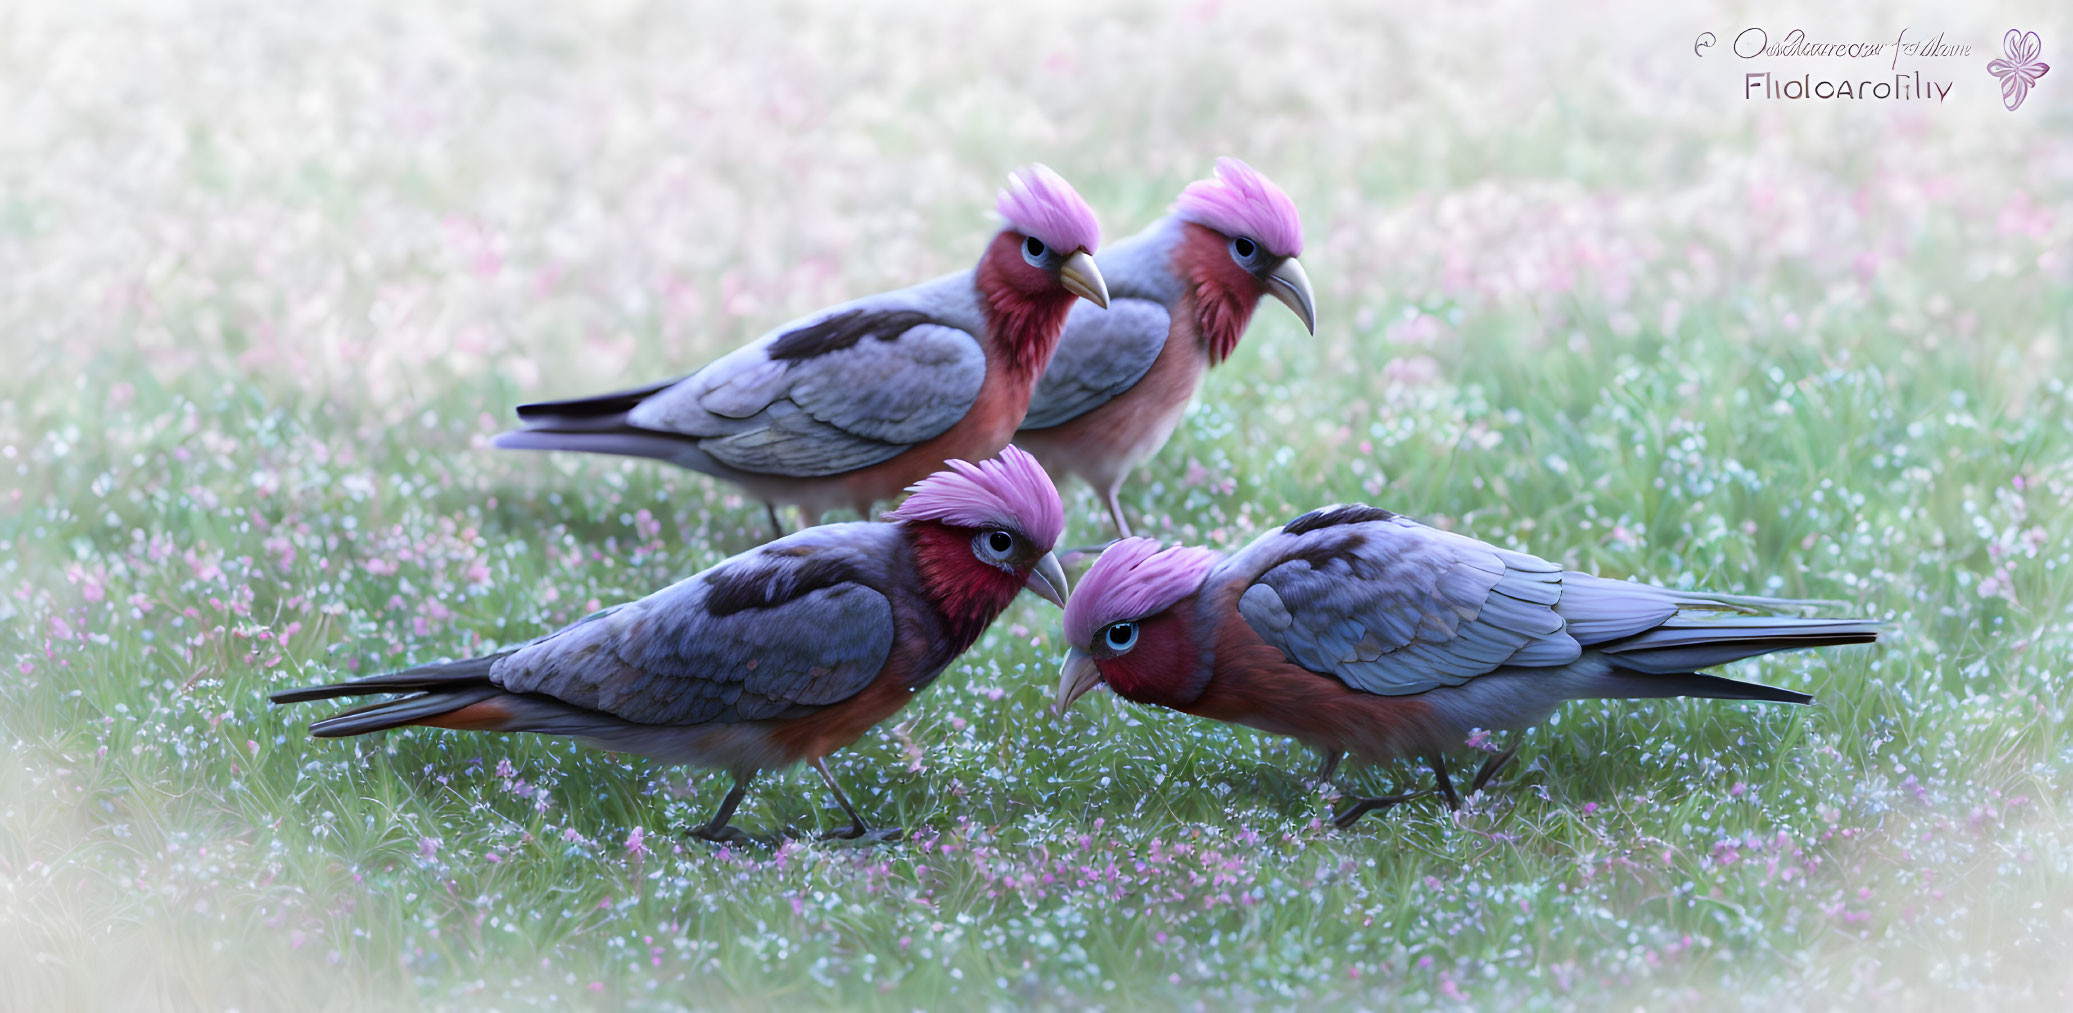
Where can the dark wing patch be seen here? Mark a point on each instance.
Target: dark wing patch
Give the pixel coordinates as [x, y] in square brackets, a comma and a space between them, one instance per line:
[843, 330]
[1333, 516]
[778, 580]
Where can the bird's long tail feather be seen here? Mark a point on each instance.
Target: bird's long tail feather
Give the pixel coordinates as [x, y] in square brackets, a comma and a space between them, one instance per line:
[451, 694]
[1628, 686]
[600, 425]
[1753, 604]
[441, 675]
[612, 407]
[472, 709]
[622, 441]
[1688, 642]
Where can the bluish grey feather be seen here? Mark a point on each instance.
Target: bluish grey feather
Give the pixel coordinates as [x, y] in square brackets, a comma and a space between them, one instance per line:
[681, 656]
[1101, 355]
[1392, 607]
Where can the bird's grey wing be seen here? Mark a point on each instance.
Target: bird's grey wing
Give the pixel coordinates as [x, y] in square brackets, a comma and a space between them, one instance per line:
[840, 391]
[774, 632]
[1392, 607]
[1101, 354]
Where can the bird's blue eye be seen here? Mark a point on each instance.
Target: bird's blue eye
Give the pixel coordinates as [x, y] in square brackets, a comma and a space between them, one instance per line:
[1244, 247]
[996, 546]
[1121, 637]
[1033, 247]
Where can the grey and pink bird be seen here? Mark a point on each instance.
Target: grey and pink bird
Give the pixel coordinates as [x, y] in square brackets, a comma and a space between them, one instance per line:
[1181, 294]
[1357, 631]
[844, 408]
[780, 655]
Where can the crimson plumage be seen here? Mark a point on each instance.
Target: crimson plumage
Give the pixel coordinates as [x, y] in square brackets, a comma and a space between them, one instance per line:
[1361, 632]
[779, 655]
[1181, 294]
[844, 408]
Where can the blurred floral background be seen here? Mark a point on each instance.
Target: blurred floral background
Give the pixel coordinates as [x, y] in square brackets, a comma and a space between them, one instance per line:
[270, 275]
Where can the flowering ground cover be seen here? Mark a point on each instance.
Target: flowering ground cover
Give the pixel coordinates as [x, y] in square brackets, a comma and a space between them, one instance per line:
[270, 278]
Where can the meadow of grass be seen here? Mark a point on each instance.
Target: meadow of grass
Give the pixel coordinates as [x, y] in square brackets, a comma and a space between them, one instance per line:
[270, 276]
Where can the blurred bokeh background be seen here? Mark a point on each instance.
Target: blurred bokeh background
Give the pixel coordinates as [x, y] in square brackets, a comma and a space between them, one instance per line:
[271, 274]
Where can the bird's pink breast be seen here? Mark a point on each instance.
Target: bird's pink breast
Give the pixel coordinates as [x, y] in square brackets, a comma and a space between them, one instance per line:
[1107, 443]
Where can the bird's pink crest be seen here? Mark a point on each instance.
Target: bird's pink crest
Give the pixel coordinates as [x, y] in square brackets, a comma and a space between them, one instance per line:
[1039, 202]
[1133, 578]
[1241, 202]
[1011, 490]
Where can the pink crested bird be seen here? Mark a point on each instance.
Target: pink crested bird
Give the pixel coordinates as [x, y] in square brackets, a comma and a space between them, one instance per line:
[848, 406]
[1181, 294]
[780, 655]
[1358, 631]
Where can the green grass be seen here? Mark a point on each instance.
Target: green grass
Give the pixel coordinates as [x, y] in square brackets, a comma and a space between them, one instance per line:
[274, 278]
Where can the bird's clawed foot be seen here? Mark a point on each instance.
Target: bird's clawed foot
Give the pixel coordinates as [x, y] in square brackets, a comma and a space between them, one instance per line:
[1380, 803]
[718, 830]
[860, 836]
[728, 834]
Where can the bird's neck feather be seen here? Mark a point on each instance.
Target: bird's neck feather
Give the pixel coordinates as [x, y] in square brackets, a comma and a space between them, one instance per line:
[1025, 306]
[967, 593]
[1222, 295]
[1168, 667]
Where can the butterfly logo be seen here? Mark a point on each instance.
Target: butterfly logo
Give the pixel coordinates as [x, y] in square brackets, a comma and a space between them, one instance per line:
[2018, 68]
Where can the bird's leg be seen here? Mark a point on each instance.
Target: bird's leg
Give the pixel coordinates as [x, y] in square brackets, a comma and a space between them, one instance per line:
[1115, 508]
[777, 527]
[717, 829]
[1072, 557]
[1492, 765]
[857, 829]
[1446, 786]
[1327, 765]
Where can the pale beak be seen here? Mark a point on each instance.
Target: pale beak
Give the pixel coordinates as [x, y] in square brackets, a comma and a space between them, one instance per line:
[1289, 284]
[1047, 581]
[1080, 277]
[1078, 675]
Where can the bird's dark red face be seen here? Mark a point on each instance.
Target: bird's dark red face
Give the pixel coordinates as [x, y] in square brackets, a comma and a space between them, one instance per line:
[1228, 275]
[1026, 265]
[973, 573]
[1152, 660]
[1029, 288]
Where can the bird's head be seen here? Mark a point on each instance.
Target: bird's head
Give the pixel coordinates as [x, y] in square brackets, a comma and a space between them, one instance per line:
[1042, 260]
[1051, 235]
[1240, 242]
[1129, 627]
[982, 532]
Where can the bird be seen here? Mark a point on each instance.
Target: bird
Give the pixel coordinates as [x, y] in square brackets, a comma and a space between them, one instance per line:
[780, 655]
[845, 407]
[1181, 294]
[1359, 631]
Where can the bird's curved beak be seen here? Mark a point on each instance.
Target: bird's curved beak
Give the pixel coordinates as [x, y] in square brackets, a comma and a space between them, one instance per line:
[1078, 675]
[1288, 283]
[1080, 277]
[1047, 581]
